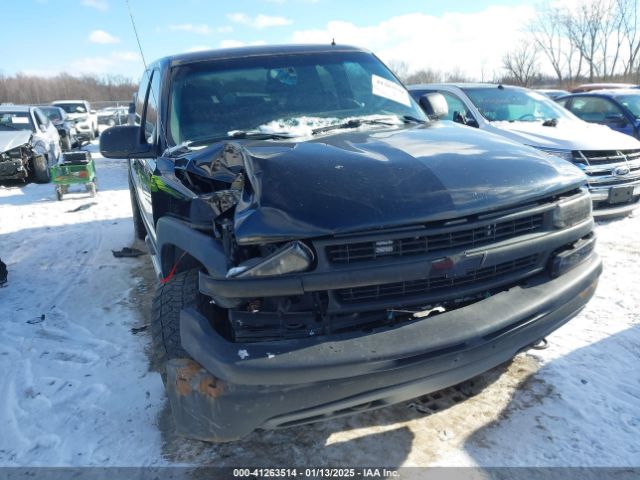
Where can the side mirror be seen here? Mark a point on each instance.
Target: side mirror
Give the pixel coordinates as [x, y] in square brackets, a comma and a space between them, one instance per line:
[459, 118]
[434, 105]
[124, 142]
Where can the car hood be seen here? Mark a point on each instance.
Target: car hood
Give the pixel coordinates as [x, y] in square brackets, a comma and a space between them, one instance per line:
[566, 135]
[366, 180]
[12, 139]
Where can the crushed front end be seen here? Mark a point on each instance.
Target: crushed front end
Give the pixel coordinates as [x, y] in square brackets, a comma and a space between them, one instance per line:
[336, 322]
[15, 164]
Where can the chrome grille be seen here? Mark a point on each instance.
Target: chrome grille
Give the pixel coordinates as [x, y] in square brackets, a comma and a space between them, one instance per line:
[602, 166]
[601, 157]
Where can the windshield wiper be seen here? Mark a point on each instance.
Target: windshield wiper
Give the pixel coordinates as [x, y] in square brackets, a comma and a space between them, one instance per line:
[411, 119]
[258, 135]
[353, 123]
[239, 134]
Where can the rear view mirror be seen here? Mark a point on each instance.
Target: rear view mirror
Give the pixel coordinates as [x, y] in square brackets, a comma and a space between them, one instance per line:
[434, 105]
[124, 141]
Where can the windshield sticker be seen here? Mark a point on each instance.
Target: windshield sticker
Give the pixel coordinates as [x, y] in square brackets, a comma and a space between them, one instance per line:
[22, 120]
[389, 90]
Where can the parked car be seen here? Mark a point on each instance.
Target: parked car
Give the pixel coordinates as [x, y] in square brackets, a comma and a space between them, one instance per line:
[325, 249]
[588, 87]
[66, 128]
[86, 119]
[29, 144]
[610, 160]
[552, 93]
[111, 116]
[617, 109]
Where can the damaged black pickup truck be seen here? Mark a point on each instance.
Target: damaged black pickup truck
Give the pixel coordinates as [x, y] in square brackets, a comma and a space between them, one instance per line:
[325, 248]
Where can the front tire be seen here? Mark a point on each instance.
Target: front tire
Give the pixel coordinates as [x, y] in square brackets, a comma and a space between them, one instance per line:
[180, 292]
[41, 169]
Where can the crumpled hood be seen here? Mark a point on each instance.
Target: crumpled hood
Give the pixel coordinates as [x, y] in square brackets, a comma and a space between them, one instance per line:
[566, 135]
[371, 179]
[12, 139]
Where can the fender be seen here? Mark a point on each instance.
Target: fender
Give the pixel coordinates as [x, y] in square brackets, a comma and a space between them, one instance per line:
[171, 232]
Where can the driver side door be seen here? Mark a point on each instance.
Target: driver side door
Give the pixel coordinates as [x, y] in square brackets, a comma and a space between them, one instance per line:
[142, 169]
[601, 110]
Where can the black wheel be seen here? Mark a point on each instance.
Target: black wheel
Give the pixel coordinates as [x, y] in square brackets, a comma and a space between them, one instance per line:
[180, 292]
[65, 144]
[41, 169]
[138, 224]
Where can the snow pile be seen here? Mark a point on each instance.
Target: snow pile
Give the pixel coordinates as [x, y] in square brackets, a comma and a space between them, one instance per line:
[75, 388]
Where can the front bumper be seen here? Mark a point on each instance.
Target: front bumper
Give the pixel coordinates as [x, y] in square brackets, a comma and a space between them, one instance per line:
[232, 388]
[604, 208]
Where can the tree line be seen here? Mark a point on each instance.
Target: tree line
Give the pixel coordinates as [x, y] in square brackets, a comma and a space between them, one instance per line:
[583, 41]
[590, 40]
[31, 89]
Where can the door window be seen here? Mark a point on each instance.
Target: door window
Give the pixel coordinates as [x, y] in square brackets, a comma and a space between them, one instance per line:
[151, 115]
[596, 110]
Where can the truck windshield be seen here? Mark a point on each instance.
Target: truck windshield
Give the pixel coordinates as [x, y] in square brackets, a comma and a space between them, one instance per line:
[514, 105]
[283, 94]
[632, 102]
[15, 121]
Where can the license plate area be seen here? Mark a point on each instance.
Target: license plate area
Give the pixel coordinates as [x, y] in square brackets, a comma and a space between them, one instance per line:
[620, 194]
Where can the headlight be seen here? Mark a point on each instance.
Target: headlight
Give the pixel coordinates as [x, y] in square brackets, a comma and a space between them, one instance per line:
[563, 154]
[572, 211]
[293, 257]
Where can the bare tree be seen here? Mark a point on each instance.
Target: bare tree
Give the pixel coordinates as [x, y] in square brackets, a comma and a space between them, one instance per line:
[424, 76]
[522, 63]
[549, 34]
[400, 68]
[584, 28]
[630, 22]
[21, 88]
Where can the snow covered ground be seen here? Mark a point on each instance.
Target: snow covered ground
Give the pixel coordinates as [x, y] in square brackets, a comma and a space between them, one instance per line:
[76, 387]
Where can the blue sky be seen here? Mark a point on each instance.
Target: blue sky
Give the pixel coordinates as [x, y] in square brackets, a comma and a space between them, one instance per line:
[95, 36]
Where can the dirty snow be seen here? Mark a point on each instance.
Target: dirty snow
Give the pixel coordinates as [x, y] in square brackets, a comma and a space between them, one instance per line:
[77, 389]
